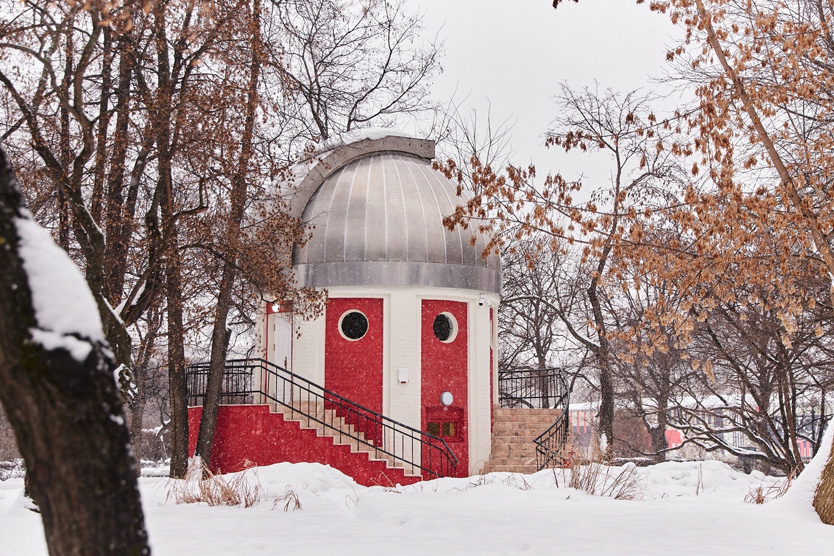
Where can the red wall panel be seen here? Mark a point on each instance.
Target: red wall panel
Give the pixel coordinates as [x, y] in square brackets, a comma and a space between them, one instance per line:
[444, 368]
[353, 368]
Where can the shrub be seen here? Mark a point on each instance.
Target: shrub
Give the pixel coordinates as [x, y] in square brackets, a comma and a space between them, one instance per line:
[201, 485]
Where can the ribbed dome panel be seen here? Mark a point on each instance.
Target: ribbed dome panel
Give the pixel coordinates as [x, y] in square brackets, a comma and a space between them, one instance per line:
[379, 220]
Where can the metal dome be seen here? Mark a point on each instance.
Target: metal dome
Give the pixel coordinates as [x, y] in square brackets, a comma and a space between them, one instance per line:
[377, 208]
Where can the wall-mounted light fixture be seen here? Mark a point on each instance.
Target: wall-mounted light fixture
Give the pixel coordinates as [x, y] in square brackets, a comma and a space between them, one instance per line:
[446, 398]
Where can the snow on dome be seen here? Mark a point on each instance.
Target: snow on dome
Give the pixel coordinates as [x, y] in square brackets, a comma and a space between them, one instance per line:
[64, 306]
[372, 133]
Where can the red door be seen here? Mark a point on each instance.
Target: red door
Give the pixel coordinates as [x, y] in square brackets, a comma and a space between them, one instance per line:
[353, 356]
[444, 369]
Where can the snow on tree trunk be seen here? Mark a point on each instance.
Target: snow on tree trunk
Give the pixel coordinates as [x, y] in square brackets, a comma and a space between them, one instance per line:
[58, 390]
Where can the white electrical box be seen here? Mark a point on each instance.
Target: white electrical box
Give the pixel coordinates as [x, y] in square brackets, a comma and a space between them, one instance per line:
[402, 375]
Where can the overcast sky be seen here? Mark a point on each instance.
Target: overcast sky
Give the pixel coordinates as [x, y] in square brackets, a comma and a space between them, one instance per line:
[513, 55]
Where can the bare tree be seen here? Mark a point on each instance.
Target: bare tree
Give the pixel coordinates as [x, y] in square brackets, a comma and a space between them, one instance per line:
[757, 395]
[150, 137]
[345, 65]
[528, 327]
[653, 367]
[622, 126]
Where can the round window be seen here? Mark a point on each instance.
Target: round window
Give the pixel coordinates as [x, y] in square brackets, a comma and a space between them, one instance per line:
[445, 327]
[353, 325]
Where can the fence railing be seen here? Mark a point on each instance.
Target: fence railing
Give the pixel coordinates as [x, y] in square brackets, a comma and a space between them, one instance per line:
[237, 386]
[531, 388]
[248, 381]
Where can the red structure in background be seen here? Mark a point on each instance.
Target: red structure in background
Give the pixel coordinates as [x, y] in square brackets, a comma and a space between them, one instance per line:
[252, 435]
[444, 369]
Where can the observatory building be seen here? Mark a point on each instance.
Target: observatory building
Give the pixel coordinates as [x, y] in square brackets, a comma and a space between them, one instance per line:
[397, 381]
[409, 329]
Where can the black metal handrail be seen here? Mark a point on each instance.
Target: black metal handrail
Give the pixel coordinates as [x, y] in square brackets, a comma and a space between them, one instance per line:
[385, 437]
[531, 388]
[551, 443]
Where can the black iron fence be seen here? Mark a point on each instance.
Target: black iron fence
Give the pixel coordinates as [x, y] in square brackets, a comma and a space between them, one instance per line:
[237, 385]
[532, 388]
[249, 381]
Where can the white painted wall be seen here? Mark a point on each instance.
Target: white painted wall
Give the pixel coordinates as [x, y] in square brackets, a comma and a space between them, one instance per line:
[308, 349]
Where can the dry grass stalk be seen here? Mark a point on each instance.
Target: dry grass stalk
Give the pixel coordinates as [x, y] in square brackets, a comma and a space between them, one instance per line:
[699, 486]
[290, 499]
[201, 485]
[588, 474]
[760, 494]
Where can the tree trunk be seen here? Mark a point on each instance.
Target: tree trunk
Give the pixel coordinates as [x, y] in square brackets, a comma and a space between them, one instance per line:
[824, 496]
[177, 386]
[67, 418]
[219, 347]
[603, 353]
[137, 416]
[658, 433]
[659, 443]
[220, 334]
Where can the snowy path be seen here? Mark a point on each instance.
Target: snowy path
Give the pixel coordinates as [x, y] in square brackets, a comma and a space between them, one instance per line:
[462, 517]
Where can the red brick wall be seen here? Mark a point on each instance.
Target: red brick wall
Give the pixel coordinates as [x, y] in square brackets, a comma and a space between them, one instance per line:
[251, 433]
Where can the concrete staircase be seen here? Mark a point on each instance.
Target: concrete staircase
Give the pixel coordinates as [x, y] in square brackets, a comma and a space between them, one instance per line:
[327, 424]
[513, 432]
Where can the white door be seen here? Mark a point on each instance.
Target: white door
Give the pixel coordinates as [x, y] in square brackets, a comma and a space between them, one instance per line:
[280, 340]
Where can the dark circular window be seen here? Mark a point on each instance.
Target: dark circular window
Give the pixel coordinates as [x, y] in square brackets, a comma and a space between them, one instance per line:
[353, 325]
[445, 327]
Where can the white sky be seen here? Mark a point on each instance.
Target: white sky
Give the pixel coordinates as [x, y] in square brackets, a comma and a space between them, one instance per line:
[513, 55]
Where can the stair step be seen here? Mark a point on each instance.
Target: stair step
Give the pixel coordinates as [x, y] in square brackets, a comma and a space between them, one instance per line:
[513, 433]
[511, 469]
[498, 443]
[529, 460]
[526, 410]
[514, 456]
[333, 425]
[512, 425]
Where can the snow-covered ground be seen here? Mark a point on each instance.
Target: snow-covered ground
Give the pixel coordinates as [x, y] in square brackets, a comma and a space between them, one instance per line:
[682, 508]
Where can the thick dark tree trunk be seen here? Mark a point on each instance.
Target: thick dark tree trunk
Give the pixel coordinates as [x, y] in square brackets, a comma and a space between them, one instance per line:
[214, 384]
[659, 443]
[658, 432]
[177, 386]
[67, 418]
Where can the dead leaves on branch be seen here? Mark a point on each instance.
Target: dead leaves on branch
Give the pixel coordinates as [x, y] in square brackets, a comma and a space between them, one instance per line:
[709, 226]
